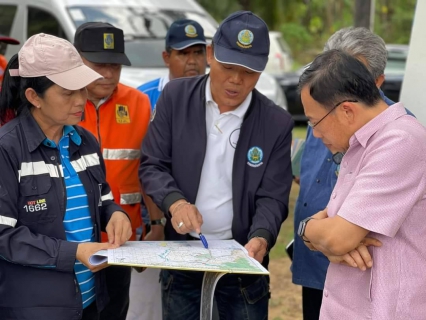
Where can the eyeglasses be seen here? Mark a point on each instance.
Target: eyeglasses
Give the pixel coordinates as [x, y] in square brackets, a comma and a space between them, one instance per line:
[313, 125]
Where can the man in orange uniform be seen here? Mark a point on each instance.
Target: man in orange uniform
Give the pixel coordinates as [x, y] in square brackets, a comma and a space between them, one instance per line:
[3, 61]
[118, 116]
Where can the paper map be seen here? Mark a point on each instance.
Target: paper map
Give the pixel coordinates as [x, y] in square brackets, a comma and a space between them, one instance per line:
[226, 256]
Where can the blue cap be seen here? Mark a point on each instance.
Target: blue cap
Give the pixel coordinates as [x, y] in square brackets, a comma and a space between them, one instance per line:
[184, 33]
[242, 39]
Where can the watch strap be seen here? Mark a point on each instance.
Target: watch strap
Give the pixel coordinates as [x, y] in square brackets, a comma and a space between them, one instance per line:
[156, 222]
[302, 227]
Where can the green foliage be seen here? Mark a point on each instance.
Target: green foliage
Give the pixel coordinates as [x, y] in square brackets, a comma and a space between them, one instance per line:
[300, 41]
[307, 24]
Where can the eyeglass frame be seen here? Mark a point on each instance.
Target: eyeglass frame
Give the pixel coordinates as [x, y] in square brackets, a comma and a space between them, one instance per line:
[313, 125]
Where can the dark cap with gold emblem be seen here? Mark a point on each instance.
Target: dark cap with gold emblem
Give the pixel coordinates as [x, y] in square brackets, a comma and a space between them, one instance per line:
[184, 33]
[101, 42]
[242, 39]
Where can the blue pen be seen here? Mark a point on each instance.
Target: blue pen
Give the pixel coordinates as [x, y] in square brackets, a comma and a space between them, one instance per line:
[204, 241]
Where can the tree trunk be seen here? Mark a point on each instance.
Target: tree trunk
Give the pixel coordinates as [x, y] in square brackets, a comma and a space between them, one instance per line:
[364, 13]
[245, 5]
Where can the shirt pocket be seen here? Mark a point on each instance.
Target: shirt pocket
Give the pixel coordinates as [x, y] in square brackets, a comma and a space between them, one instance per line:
[97, 177]
[37, 203]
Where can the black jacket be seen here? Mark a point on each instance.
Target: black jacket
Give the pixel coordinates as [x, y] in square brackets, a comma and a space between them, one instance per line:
[173, 154]
[37, 279]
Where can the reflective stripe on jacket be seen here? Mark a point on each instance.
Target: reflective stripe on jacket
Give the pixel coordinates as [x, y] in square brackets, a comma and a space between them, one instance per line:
[37, 279]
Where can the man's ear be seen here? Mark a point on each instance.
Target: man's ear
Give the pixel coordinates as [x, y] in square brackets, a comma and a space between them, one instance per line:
[166, 58]
[210, 54]
[380, 80]
[349, 111]
[33, 98]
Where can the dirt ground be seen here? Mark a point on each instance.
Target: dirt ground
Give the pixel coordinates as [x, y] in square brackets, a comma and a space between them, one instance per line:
[286, 299]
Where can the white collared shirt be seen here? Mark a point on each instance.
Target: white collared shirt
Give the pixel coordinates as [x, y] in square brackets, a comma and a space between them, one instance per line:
[214, 197]
[163, 81]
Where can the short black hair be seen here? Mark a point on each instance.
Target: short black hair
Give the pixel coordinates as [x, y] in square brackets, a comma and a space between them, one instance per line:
[335, 76]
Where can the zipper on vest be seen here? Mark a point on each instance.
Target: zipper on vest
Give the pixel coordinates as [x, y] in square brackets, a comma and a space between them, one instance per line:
[64, 196]
[98, 126]
[76, 285]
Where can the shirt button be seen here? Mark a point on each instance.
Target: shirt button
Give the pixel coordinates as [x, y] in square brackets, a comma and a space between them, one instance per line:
[305, 204]
[334, 195]
[328, 159]
[345, 165]
[53, 158]
[318, 180]
[326, 293]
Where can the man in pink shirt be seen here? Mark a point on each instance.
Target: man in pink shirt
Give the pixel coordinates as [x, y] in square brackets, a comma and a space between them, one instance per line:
[379, 200]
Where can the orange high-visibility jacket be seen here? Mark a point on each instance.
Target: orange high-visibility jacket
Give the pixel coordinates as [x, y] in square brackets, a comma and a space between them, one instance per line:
[120, 124]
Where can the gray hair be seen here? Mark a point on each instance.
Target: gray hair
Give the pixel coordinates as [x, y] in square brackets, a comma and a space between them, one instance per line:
[361, 42]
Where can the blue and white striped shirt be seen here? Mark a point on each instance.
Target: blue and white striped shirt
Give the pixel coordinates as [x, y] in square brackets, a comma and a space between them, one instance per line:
[77, 221]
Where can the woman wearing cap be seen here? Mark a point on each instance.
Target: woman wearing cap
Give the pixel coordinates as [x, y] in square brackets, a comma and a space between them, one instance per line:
[54, 199]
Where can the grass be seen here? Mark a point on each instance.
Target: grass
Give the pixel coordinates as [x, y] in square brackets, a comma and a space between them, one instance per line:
[286, 233]
[299, 132]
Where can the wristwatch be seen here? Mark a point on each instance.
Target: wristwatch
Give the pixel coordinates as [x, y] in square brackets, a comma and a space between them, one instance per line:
[161, 221]
[302, 227]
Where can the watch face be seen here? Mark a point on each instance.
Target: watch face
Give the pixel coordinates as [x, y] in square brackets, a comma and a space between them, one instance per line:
[163, 221]
[300, 229]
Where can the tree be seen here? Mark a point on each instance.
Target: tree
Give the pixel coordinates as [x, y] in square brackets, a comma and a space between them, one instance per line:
[364, 13]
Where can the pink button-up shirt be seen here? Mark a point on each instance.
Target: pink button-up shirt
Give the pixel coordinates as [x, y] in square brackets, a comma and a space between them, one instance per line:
[382, 188]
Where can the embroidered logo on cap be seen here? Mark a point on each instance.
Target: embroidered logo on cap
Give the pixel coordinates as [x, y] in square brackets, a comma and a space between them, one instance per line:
[122, 114]
[245, 39]
[108, 41]
[255, 157]
[191, 31]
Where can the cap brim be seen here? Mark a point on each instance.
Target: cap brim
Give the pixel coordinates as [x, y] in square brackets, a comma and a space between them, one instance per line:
[228, 56]
[188, 43]
[107, 57]
[8, 40]
[76, 78]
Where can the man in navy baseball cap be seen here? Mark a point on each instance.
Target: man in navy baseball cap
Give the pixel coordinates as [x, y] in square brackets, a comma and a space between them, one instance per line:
[238, 163]
[185, 53]
[185, 56]
[242, 39]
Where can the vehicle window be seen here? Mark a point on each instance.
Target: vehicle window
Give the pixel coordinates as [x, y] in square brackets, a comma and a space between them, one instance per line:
[139, 22]
[42, 21]
[395, 65]
[145, 53]
[7, 15]
[397, 59]
[284, 46]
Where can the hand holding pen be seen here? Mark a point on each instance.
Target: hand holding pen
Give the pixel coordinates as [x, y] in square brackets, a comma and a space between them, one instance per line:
[185, 217]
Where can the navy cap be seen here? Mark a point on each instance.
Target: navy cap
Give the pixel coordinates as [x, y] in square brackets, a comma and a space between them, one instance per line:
[242, 39]
[184, 33]
[101, 42]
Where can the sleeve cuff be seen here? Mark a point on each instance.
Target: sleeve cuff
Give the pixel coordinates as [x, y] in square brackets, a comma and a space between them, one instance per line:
[169, 200]
[67, 256]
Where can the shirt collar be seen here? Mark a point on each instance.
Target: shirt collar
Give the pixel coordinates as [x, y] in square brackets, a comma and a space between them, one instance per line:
[32, 131]
[163, 81]
[35, 136]
[68, 131]
[370, 128]
[240, 111]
